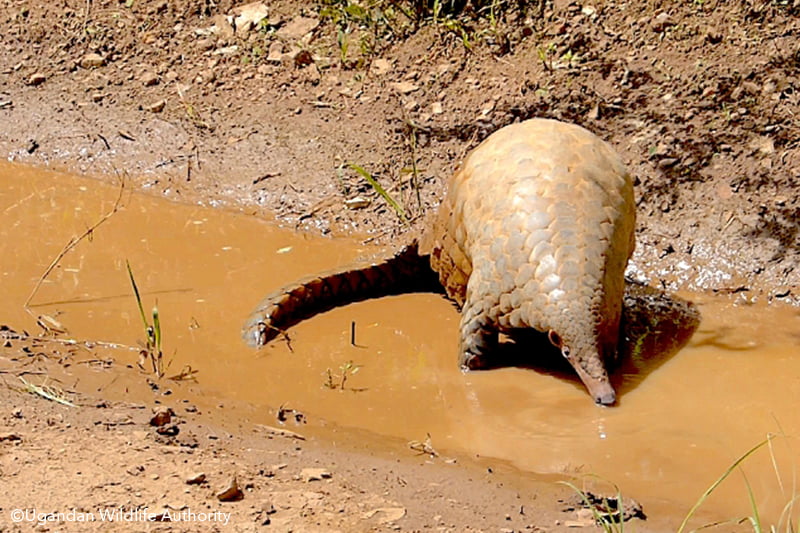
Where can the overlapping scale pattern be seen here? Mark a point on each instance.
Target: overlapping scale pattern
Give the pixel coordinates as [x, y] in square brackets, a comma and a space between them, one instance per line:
[539, 223]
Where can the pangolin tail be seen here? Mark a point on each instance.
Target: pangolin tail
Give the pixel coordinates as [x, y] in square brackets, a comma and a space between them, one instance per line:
[403, 272]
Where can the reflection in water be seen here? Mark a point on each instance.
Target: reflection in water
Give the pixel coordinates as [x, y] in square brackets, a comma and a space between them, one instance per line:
[689, 405]
[655, 325]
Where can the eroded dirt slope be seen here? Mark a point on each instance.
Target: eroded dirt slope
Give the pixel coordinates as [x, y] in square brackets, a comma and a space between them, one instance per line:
[199, 103]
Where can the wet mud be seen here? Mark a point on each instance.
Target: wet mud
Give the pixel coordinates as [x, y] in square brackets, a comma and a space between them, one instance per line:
[688, 406]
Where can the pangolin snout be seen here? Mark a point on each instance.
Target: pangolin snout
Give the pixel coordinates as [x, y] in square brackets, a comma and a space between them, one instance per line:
[598, 386]
[608, 398]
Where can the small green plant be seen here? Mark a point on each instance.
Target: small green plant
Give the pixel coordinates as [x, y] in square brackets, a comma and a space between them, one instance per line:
[343, 40]
[152, 350]
[608, 513]
[546, 56]
[369, 21]
[381, 191]
[334, 381]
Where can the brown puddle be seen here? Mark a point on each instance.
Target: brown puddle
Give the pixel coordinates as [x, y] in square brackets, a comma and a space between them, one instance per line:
[680, 424]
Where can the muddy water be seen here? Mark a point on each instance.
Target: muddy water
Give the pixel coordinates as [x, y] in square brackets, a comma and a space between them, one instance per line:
[682, 419]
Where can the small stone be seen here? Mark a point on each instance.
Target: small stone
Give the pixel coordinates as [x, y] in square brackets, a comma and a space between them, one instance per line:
[385, 515]
[231, 493]
[275, 52]
[98, 97]
[227, 50]
[10, 437]
[436, 108]
[667, 162]
[314, 474]
[37, 79]
[404, 87]
[197, 478]
[156, 107]
[248, 16]
[162, 415]
[92, 61]
[206, 77]
[357, 203]
[751, 87]
[298, 27]
[149, 79]
[381, 67]
[303, 58]
[205, 44]
[661, 22]
[764, 145]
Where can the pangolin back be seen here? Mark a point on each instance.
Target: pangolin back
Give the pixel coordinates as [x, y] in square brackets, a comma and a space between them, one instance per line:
[535, 231]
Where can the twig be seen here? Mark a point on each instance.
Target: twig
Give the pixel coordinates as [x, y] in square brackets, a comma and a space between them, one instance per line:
[74, 242]
[46, 392]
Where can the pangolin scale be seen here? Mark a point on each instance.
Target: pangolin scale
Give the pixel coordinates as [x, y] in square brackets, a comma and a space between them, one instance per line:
[535, 231]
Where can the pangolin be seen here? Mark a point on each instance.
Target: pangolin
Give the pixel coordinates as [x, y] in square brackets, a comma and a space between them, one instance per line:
[535, 231]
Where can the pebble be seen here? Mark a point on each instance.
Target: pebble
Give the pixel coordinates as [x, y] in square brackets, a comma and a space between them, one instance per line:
[161, 415]
[314, 474]
[404, 87]
[37, 79]
[661, 22]
[156, 107]
[381, 66]
[149, 79]
[205, 44]
[298, 27]
[198, 478]
[92, 61]
[231, 493]
[275, 52]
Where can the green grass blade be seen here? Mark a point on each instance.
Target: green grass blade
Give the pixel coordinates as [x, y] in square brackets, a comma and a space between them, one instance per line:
[722, 478]
[136, 292]
[380, 190]
[157, 329]
[755, 520]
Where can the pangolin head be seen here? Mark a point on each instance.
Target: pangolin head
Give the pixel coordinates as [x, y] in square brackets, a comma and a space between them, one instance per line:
[588, 360]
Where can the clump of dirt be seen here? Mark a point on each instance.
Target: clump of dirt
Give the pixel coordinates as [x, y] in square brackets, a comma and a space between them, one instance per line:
[271, 108]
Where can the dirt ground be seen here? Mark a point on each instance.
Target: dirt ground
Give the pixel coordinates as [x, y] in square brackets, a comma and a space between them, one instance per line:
[272, 109]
